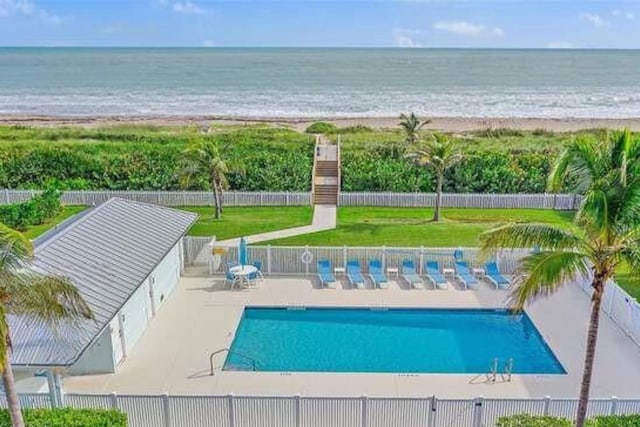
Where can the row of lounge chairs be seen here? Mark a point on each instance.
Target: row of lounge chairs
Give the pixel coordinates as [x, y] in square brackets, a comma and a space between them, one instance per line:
[432, 272]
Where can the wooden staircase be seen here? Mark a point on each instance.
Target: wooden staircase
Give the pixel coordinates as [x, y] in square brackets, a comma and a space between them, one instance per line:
[326, 173]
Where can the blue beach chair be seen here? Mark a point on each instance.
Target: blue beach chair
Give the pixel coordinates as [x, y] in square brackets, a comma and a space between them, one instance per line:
[409, 274]
[325, 273]
[354, 275]
[464, 276]
[433, 274]
[377, 276]
[492, 274]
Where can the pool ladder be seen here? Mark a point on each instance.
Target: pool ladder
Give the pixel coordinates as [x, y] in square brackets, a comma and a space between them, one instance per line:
[228, 350]
[492, 376]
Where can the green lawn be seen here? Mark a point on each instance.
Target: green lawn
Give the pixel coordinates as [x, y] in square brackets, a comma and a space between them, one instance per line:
[35, 230]
[370, 226]
[245, 221]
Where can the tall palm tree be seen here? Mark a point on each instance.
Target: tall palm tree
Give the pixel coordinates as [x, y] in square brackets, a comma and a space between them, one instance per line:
[411, 125]
[606, 233]
[439, 154]
[203, 160]
[25, 292]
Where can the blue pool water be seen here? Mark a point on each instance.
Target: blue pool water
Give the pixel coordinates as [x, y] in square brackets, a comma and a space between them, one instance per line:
[388, 340]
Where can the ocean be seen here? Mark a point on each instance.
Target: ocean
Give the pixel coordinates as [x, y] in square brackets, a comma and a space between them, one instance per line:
[273, 82]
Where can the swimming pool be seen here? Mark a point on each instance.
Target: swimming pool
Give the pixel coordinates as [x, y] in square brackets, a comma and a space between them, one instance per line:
[399, 340]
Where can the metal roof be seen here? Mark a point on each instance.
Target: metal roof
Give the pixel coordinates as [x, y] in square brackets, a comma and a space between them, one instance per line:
[107, 253]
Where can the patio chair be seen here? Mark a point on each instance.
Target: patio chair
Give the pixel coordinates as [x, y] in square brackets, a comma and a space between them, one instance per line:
[230, 278]
[492, 274]
[354, 275]
[325, 273]
[409, 274]
[258, 266]
[377, 276]
[464, 276]
[434, 275]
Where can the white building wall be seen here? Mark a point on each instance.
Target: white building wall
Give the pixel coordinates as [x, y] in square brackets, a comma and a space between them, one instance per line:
[97, 359]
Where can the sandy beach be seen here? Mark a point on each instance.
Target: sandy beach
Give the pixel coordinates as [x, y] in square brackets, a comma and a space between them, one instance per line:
[445, 124]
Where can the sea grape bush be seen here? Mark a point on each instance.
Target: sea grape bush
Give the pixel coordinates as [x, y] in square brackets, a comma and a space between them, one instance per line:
[272, 159]
[68, 417]
[33, 212]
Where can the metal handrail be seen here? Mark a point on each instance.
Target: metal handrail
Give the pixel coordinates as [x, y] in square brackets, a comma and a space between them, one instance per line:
[228, 350]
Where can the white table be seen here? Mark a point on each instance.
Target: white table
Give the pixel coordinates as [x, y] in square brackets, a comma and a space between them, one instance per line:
[448, 272]
[478, 272]
[339, 270]
[392, 270]
[242, 272]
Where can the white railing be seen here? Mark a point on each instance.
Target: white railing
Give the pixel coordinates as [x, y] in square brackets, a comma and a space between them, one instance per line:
[289, 260]
[620, 307]
[297, 411]
[463, 200]
[261, 198]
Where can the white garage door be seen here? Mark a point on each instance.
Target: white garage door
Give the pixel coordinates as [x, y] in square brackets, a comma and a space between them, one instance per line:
[135, 317]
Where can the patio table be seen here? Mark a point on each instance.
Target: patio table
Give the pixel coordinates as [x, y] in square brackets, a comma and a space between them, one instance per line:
[242, 272]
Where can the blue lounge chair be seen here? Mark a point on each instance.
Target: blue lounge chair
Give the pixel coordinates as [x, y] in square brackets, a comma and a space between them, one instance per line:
[463, 274]
[377, 276]
[354, 275]
[258, 266]
[433, 274]
[327, 279]
[409, 274]
[492, 274]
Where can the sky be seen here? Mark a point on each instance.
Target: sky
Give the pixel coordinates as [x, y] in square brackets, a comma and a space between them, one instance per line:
[330, 23]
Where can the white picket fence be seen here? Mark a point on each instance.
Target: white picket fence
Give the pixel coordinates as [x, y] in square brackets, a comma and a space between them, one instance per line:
[289, 260]
[242, 198]
[303, 411]
[463, 200]
[621, 308]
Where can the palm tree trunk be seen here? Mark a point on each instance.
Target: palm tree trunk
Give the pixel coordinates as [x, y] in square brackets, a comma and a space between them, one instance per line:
[216, 201]
[592, 337]
[12, 395]
[436, 212]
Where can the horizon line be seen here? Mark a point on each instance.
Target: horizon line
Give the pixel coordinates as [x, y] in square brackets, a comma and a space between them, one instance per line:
[316, 47]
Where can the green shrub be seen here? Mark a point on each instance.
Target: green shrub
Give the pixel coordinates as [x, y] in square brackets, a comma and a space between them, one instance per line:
[68, 417]
[321, 127]
[36, 211]
[526, 420]
[355, 129]
[615, 421]
[499, 132]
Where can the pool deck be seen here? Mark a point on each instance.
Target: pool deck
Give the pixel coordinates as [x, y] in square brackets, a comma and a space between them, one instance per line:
[201, 317]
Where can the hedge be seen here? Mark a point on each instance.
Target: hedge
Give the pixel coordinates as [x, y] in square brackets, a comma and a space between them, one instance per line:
[272, 159]
[38, 210]
[525, 420]
[68, 417]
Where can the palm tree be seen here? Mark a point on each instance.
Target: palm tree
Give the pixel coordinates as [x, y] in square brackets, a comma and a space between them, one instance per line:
[411, 125]
[606, 232]
[203, 159]
[439, 154]
[25, 292]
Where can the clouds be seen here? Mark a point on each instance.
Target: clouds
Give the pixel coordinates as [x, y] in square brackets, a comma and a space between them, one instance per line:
[465, 28]
[617, 13]
[26, 8]
[403, 37]
[188, 8]
[594, 19]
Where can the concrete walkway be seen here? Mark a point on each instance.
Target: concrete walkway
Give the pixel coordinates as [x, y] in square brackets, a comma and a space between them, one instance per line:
[324, 218]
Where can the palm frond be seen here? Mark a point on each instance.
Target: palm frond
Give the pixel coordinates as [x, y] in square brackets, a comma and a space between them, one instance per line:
[582, 160]
[513, 236]
[543, 273]
[49, 299]
[15, 249]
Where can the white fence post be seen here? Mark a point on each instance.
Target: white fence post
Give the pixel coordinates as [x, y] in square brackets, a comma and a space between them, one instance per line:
[433, 412]
[269, 259]
[364, 405]
[421, 266]
[547, 403]
[114, 400]
[477, 412]
[298, 412]
[166, 410]
[613, 409]
[306, 264]
[344, 256]
[232, 417]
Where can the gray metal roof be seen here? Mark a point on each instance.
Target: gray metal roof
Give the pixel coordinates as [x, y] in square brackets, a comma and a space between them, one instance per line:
[107, 253]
